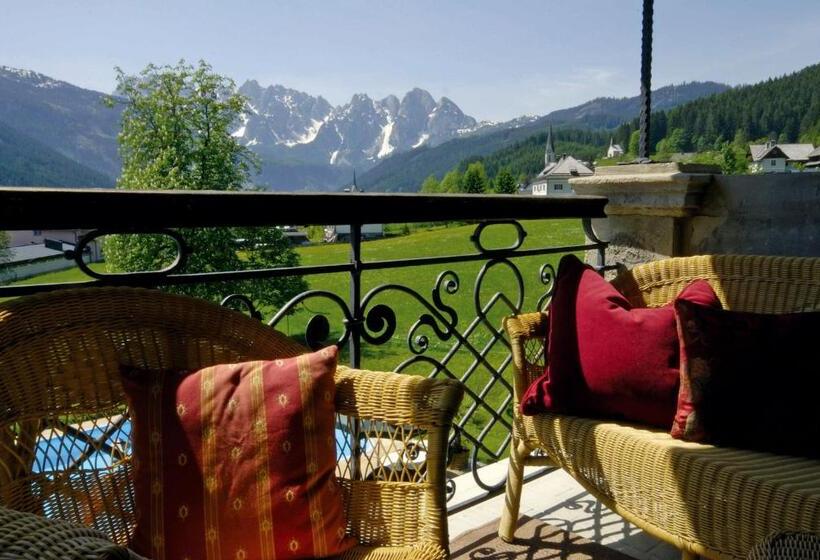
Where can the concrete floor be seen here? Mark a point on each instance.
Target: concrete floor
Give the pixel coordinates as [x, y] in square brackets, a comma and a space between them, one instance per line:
[561, 502]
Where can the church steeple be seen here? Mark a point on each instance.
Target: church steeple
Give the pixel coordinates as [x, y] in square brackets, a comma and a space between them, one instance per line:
[549, 154]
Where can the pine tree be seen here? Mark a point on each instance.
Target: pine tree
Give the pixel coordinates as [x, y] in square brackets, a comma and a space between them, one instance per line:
[504, 182]
[176, 135]
[475, 178]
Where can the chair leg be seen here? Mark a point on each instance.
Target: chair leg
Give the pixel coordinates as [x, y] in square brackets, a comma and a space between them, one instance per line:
[515, 480]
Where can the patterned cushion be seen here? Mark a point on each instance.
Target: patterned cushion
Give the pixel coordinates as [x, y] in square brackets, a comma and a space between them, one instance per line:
[237, 460]
[748, 380]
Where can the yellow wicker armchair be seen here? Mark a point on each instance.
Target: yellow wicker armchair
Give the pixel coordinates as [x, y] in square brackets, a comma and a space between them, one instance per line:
[64, 450]
[706, 500]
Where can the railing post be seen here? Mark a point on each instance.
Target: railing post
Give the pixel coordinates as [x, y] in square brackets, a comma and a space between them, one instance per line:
[355, 333]
[356, 295]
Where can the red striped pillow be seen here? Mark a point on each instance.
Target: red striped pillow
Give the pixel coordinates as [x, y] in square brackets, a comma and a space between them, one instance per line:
[237, 460]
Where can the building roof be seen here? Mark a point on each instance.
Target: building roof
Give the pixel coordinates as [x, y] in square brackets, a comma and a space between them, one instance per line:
[25, 253]
[567, 166]
[794, 152]
[815, 153]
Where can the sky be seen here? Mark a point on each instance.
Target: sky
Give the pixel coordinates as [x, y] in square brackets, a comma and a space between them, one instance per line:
[496, 59]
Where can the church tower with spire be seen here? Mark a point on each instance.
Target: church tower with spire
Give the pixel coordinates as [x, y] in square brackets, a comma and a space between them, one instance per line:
[554, 178]
[549, 153]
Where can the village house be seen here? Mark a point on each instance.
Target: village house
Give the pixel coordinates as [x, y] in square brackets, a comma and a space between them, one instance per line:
[814, 161]
[554, 178]
[772, 157]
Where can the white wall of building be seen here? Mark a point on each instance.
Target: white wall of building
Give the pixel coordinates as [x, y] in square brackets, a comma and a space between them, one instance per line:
[553, 187]
[772, 165]
[33, 268]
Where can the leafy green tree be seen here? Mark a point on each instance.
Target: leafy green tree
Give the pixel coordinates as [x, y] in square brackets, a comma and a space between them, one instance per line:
[452, 182]
[176, 135]
[431, 185]
[475, 178]
[732, 160]
[634, 138]
[505, 182]
[5, 252]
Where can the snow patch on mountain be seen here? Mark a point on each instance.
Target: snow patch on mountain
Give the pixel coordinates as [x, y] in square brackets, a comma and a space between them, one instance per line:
[422, 139]
[360, 132]
[386, 148]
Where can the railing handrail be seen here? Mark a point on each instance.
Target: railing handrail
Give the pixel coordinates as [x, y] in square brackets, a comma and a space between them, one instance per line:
[39, 208]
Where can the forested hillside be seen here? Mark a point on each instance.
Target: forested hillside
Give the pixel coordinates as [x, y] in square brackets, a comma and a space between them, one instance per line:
[25, 162]
[527, 157]
[786, 109]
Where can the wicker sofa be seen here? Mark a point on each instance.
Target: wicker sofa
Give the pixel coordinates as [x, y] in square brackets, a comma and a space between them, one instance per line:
[705, 500]
[59, 361]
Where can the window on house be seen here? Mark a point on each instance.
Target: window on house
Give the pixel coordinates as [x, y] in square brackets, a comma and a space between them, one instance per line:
[773, 163]
[559, 187]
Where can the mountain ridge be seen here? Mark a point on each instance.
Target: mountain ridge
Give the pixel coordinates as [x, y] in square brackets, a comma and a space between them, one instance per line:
[405, 172]
[303, 141]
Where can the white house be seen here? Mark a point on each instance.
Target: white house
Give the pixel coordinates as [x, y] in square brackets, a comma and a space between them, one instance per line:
[814, 161]
[554, 179]
[772, 157]
[34, 259]
[614, 150]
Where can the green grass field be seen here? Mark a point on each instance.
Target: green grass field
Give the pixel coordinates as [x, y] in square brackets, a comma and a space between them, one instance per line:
[433, 241]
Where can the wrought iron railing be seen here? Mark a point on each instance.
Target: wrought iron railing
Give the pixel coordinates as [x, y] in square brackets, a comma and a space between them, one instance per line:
[437, 339]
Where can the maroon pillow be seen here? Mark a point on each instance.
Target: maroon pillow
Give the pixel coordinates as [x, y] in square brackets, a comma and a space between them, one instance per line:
[606, 358]
[749, 380]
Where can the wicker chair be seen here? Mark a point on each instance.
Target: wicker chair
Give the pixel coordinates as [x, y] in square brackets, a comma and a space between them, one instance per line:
[64, 449]
[705, 500]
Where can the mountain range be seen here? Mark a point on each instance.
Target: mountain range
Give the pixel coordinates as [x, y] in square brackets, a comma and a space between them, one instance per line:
[303, 141]
[406, 171]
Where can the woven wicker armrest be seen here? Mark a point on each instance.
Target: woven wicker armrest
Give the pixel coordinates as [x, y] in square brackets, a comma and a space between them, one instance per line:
[29, 536]
[396, 398]
[522, 329]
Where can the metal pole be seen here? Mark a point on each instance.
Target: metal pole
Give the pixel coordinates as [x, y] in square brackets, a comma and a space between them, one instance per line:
[646, 79]
[355, 335]
[356, 294]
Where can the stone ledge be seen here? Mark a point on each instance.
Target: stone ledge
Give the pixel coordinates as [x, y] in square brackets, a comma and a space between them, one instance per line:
[650, 189]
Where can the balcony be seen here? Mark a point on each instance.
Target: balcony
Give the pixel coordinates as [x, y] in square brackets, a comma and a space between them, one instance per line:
[435, 314]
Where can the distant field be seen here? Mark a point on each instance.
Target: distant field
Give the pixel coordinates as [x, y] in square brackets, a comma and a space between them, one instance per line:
[430, 242]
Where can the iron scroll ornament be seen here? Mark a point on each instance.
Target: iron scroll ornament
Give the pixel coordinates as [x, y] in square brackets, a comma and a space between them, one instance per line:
[183, 250]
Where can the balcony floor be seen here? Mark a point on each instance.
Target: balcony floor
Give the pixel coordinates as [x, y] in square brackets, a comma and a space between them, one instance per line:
[556, 499]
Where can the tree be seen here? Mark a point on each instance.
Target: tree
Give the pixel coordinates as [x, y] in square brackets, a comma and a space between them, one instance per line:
[452, 182]
[505, 182]
[733, 161]
[5, 252]
[475, 178]
[431, 185]
[634, 138]
[176, 135]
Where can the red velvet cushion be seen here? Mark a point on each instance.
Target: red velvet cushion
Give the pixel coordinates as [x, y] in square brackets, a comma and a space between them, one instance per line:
[749, 380]
[237, 460]
[606, 358]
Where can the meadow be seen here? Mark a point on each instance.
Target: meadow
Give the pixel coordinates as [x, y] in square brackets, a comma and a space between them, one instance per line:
[396, 353]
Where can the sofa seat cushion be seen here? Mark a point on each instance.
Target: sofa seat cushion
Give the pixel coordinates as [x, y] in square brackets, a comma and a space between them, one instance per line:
[685, 490]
